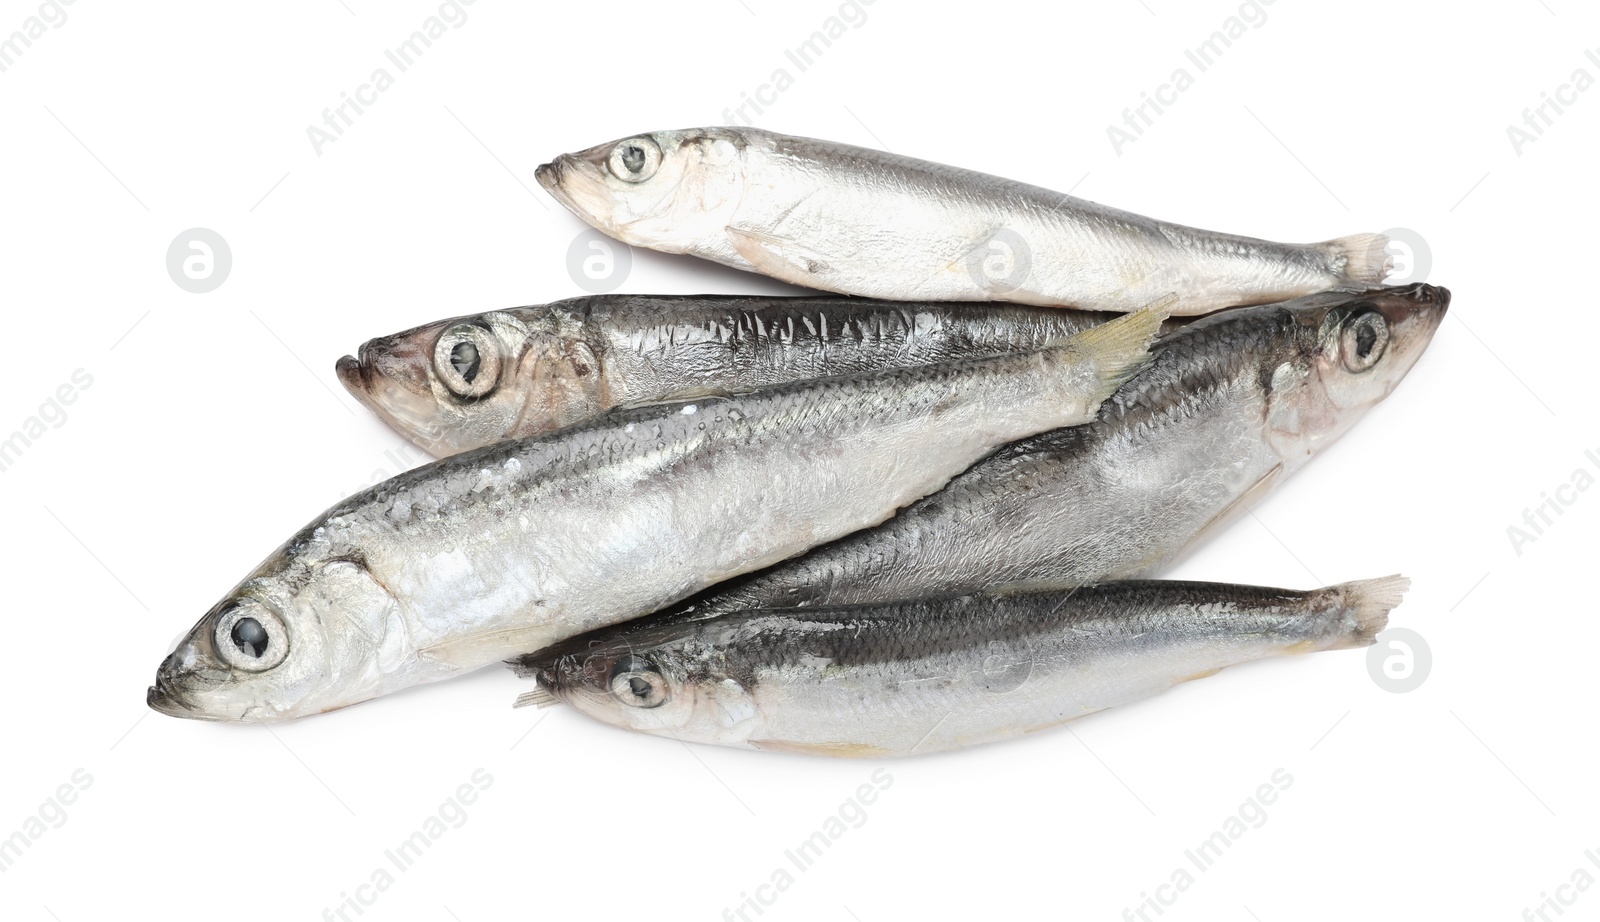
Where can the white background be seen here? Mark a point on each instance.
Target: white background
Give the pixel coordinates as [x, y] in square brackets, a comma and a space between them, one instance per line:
[214, 427]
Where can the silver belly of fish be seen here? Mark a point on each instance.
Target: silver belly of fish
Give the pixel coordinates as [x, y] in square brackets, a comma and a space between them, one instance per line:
[923, 676]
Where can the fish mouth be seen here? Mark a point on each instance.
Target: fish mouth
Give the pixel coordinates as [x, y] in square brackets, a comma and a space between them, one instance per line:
[1435, 296]
[403, 407]
[1416, 307]
[163, 700]
[548, 175]
[578, 182]
[551, 178]
[353, 374]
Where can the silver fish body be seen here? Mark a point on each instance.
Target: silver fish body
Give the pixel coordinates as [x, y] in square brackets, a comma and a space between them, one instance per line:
[465, 561]
[1231, 406]
[913, 677]
[865, 222]
[471, 381]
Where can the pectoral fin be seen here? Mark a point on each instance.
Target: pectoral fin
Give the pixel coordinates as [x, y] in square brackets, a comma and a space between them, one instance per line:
[686, 395]
[836, 750]
[538, 698]
[785, 259]
[468, 652]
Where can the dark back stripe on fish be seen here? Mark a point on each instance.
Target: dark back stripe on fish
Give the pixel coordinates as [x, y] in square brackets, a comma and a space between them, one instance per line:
[1011, 512]
[1188, 365]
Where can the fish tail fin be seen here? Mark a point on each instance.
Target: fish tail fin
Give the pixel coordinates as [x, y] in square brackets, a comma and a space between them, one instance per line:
[1362, 258]
[1120, 348]
[1366, 604]
[539, 698]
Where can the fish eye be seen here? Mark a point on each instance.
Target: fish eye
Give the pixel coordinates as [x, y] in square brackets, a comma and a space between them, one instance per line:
[634, 160]
[1362, 341]
[637, 683]
[250, 637]
[467, 360]
[464, 359]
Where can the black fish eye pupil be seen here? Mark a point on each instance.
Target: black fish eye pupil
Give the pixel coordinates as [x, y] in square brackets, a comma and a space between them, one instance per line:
[633, 158]
[465, 360]
[1366, 338]
[639, 687]
[249, 636]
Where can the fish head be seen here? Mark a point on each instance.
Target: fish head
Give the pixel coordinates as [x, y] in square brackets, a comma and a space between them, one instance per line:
[1351, 350]
[473, 381]
[666, 190]
[669, 690]
[306, 633]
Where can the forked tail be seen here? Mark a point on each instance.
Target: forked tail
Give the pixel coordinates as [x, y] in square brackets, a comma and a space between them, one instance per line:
[1363, 259]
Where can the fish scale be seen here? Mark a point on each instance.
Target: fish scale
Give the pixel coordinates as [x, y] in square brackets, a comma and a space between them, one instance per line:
[862, 222]
[567, 362]
[1171, 458]
[463, 562]
[930, 674]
